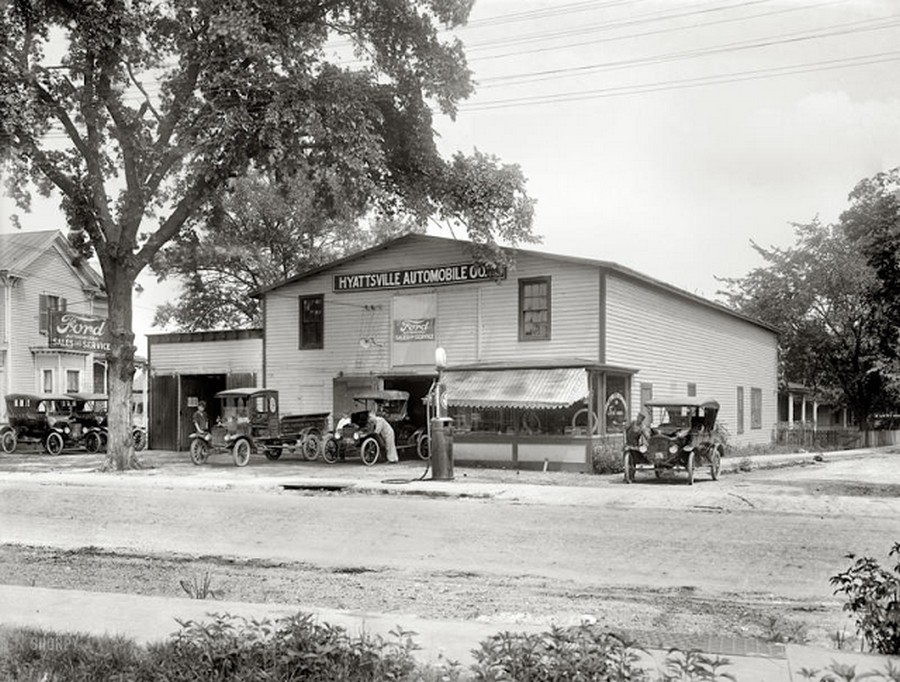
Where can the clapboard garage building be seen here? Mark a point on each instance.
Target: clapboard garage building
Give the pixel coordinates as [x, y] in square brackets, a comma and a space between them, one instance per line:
[544, 359]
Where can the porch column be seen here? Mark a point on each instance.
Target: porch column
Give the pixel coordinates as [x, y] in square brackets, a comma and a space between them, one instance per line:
[815, 415]
[803, 409]
[790, 409]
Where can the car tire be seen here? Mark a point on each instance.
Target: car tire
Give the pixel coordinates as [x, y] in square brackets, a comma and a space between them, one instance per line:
[690, 468]
[423, 446]
[199, 451]
[715, 464]
[139, 438]
[241, 452]
[54, 443]
[629, 467]
[93, 443]
[312, 446]
[330, 449]
[370, 451]
[8, 441]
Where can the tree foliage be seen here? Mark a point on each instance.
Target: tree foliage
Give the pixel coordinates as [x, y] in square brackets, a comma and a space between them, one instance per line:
[140, 112]
[821, 294]
[257, 233]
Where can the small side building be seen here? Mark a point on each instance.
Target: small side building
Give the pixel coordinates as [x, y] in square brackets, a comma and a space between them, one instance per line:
[545, 360]
[187, 367]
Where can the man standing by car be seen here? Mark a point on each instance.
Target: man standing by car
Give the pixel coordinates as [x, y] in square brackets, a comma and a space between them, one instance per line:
[637, 433]
[201, 418]
[383, 428]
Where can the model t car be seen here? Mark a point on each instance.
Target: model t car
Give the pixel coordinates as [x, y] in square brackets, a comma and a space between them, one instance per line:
[683, 437]
[39, 419]
[90, 411]
[356, 435]
[249, 422]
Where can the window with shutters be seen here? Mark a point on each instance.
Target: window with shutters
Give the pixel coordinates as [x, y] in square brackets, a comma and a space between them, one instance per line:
[46, 304]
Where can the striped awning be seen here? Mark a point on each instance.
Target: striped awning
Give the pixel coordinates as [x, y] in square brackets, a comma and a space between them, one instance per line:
[521, 388]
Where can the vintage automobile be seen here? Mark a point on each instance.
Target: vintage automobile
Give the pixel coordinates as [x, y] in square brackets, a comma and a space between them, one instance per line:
[249, 422]
[39, 419]
[90, 411]
[683, 437]
[355, 435]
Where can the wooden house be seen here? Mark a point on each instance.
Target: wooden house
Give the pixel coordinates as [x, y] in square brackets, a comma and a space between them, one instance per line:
[43, 279]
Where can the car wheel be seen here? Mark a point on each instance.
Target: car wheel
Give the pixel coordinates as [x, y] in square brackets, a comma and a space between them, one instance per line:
[423, 446]
[54, 443]
[272, 453]
[241, 452]
[312, 446]
[139, 438]
[690, 468]
[93, 442]
[8, 441]
[370, 450]
[715, 464]
[330, 449]
[629, 466]
[199, 451]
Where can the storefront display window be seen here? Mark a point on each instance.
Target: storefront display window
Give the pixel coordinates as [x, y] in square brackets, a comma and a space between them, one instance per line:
[616, 403]
[570, 421]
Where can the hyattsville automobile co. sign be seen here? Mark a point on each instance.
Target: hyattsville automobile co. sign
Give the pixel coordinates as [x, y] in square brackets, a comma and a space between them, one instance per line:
[74, 331]
[408, 278]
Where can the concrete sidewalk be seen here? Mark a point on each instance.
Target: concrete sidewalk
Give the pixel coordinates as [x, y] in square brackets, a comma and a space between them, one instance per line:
[147, 619]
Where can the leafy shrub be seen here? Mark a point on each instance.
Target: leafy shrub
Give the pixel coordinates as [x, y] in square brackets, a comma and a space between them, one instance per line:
[606, 457]
[581, 652]
[873, 597]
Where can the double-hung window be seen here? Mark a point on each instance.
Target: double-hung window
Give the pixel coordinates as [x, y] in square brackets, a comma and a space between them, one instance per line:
[46, 304]
[534, 309]
[312, 322]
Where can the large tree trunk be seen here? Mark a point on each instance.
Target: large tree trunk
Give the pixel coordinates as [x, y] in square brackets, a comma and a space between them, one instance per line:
[120, 448]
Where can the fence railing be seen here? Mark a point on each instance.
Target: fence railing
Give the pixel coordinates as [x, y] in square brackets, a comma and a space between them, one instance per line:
[810, 438]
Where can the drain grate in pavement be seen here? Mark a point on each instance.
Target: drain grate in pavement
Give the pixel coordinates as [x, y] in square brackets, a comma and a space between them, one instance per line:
[324, 487]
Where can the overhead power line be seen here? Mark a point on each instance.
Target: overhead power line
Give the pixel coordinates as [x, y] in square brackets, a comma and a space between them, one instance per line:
[880, 23]
[678, 84]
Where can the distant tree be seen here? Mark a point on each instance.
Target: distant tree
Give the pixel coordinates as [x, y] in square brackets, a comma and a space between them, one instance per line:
[140, 113]
[257, 233]
[872, 223]
[819, 293]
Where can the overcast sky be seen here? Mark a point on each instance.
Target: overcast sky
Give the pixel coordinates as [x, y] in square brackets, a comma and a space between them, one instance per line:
[666, 135]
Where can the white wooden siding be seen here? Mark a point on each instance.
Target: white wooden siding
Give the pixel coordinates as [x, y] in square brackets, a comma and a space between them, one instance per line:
[674, 341]
[50, 275]
[476, 322]
[232, 356]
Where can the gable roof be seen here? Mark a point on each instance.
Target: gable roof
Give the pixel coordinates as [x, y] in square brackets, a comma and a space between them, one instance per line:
[20, 250]
[574, 260]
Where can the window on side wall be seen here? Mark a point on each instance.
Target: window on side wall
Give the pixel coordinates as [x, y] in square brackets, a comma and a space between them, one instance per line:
[692, 390]
[47, 303]
[47, 381]
[73, 381]
[312, 322]
[740, 409]
[534, 309]
[755, 408]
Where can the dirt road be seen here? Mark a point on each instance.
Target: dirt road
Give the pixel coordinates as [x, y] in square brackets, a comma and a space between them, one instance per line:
[750, 554]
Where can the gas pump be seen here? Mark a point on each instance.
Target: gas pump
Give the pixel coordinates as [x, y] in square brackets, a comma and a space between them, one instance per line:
[440, 426]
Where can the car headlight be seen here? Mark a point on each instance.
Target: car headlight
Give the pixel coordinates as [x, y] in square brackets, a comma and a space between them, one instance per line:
[673, 449]
[355, 436]
[66, 429]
